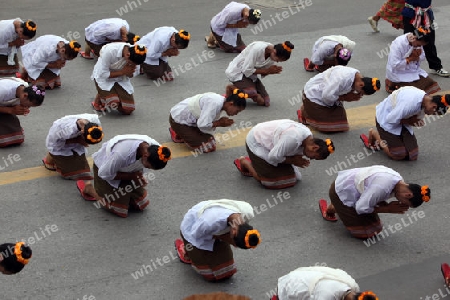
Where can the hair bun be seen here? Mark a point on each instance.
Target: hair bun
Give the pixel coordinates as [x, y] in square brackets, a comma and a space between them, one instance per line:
[425, 192]
[184, 34]
[22, 253]
[30, 25]
[289, 44]
[371, 85]
[74, 45]
[164, 154]
[252, 238]
[93, 133]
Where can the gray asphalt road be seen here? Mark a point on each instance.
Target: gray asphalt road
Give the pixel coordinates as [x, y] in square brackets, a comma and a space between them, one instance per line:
[81, 252]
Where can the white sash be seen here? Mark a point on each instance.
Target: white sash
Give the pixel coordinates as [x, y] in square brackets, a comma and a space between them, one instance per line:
[367, 172]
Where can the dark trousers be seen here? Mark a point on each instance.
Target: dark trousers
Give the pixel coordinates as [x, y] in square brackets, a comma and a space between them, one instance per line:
[434, 62]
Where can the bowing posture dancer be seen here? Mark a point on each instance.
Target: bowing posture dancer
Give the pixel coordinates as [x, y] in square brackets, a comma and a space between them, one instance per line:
[209, 229]
[194, 119]
[119, 180]
[257, 60]
[66, 143]
[117, 64]
[329, 51]
[162, 43]
[395, 118]
[324, 96]
[13, 34]
[358, 195]
[44, 58]
[277, 149]
[16, 98]
[225, 27]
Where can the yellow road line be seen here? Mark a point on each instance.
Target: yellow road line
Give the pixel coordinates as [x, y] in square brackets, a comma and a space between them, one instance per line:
[359, 117]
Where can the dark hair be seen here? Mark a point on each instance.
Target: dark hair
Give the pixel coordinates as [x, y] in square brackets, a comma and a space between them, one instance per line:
[29, 28]
[239, 98]
[343, 56]
[283, 50]
[324, 148]
[132, 38]
[371, 85]
[365, 297]
[92, 133]
[138, 54]
[182, 39]
[418, 198]
[254, 15]
[159, 155]
[72, 48]
[35, 93]
[10, 261]
[443, 102]
[422, 34]
[239, 239]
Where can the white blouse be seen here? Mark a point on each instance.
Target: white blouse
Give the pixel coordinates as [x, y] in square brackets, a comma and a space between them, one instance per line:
[401, 104]
[246, 63]
[8, 88]
[157, 42]
[199, 225]
[316, 283]
[210, 108]
[64, 129]
[378, 184]
[275, 140]
[121, 156]
[326, 87]
[40, 52]
[7, 35]
[231, 14]
[110, 60]
[106, 30]
[397, 70]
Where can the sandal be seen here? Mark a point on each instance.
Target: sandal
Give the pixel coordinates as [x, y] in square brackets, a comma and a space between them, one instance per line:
[97, 107]
[84, 55]
[81, 185]
[300, 116]
[366, 143]
[174, 136]
[179, 246]
[306, 65]
[237, 163]
[50, 167]
[323, 210]
[445, 269]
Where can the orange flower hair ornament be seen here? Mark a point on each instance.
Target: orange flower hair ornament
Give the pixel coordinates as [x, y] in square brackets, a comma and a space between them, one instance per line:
[140, 50]
[247, 238]
[91, 138]
[423, 30]
[73, 46]
[136, 38]
[425, 191]
[18, 253]
[286, 47]
[374, 84]
[443, 101]
[161, 155]
[241, 94]
[182, 35]
[368, 293]
[330, 145]
[29, 27]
